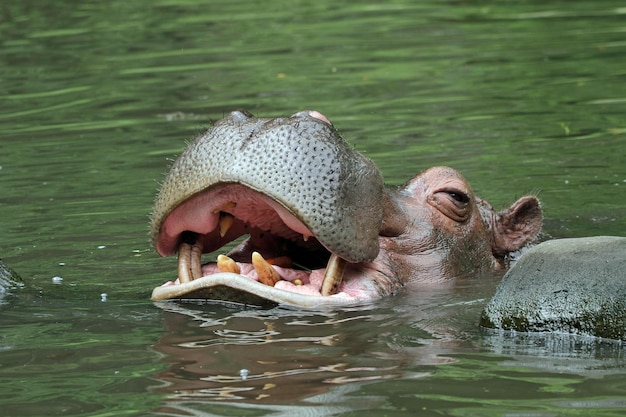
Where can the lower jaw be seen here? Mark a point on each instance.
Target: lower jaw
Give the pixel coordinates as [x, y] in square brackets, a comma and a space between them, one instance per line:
[237, 288]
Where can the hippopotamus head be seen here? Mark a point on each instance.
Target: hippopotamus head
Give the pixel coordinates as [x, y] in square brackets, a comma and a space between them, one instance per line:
[320, 227]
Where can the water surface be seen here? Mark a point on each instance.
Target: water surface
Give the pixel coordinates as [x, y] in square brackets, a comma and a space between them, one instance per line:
[97, 97]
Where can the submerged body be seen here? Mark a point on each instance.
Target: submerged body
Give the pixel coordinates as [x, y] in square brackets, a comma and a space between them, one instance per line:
[322, 228]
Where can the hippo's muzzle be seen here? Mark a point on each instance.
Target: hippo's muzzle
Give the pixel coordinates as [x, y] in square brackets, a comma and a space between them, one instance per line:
[310, 205]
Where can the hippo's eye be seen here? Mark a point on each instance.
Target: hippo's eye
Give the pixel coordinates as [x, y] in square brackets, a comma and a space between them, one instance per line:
[459, 196]
[452, 203]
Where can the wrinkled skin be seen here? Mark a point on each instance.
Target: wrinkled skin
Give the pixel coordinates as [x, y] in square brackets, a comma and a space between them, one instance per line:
[303, 195]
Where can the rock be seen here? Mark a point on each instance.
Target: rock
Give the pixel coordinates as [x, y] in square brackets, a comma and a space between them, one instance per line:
[8, 280]
[575, 286]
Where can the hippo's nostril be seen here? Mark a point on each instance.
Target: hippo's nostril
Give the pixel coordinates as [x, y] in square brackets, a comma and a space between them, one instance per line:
[240, 115]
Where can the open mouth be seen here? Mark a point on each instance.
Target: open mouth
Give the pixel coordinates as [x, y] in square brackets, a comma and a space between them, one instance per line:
[280, 252]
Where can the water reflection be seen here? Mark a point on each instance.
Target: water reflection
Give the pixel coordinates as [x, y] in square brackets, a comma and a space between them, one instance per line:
[290, 356]
[573, 354]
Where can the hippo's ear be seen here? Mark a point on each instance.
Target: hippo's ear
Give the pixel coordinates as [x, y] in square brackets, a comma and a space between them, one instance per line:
[517, 225]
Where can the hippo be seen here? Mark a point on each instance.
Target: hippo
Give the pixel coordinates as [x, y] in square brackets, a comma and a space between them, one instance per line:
[564, 286]
[320, 226]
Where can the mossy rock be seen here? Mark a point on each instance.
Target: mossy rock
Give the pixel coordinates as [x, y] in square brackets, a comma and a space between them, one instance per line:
[575, 286]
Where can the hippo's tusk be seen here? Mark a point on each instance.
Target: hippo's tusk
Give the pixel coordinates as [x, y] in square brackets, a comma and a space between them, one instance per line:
[266, 273]
[196, 260]
[184, 261]
[189, 258]
[334, 274]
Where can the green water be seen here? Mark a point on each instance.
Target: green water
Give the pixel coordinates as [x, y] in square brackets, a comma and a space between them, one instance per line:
[95, 97]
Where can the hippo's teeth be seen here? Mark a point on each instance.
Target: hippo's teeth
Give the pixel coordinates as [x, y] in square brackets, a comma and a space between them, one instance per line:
[334, 274]
[226, 264]
[226, 220]
[189, 259]
[267, 275]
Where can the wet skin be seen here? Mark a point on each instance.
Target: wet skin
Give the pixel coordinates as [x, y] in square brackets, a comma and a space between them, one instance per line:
[321, 227]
